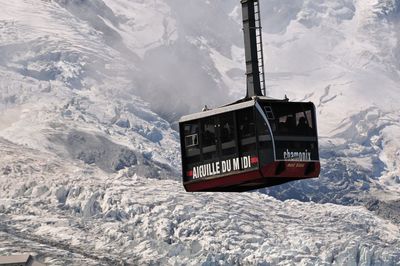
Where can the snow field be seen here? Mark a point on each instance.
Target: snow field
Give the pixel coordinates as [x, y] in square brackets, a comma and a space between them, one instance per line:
[139, 220]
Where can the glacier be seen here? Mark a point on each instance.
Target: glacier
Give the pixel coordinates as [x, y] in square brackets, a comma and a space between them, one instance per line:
[90, 92]
[69, 213]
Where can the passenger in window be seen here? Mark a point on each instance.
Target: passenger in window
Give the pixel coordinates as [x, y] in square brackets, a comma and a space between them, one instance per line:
[225, 134]
[290, 123]
[286, 127]
[303, 127]
[209, 138]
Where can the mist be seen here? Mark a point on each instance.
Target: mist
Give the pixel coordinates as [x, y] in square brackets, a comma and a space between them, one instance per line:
[182, 55]
[176, 73]
[180, 77]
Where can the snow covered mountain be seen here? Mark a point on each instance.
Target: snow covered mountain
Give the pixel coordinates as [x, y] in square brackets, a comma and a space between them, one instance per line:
[89, 93]
[348, 66]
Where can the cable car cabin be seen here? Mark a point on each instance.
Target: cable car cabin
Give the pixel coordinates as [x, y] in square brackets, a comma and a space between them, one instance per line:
[249, 145]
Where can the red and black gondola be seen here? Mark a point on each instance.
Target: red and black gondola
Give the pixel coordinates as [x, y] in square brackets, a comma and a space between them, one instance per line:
[254, 143]
[249, 145]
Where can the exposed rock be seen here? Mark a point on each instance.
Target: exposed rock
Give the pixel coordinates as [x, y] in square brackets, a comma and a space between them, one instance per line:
[124, 123]
[389, 210]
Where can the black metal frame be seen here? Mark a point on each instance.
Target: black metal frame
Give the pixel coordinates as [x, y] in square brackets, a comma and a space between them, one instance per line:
[252, 57]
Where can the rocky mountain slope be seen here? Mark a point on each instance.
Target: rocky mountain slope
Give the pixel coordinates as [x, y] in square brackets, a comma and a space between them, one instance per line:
[343, 55]
[89, 93]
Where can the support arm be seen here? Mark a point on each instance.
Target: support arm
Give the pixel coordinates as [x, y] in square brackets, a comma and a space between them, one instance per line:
[252, 46]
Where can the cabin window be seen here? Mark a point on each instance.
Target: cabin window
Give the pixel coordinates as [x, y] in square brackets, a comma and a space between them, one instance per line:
[191, 135]
[292, 119]
[294, 131]
[247, 133]
[265, 146]
[227, 134]
[209, 139]
[192, 140]
[269, 112]
[304, 124]
[264, 136]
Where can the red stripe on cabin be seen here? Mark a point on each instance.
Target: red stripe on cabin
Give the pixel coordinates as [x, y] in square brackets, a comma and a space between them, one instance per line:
[189, 173]
[266, 176]
[254, 160]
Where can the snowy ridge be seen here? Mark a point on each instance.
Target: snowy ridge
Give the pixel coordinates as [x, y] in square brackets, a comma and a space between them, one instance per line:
[61, 85]
[59, 114]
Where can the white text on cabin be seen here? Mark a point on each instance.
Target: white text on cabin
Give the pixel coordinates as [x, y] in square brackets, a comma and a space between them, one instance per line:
[221, 167]
[297, 156]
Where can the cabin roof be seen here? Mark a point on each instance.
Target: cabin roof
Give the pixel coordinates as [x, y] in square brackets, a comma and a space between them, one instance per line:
[241, 104]
[216, 111]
